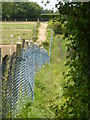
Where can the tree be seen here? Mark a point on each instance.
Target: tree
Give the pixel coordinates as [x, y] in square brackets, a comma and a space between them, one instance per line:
[7, 10]
[76, 89]
[21, 10]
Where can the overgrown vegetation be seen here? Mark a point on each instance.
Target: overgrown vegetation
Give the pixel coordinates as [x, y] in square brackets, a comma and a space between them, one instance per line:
[35, 32]
[48, 84]
[66, 97]
[76, 89]
[47, 17]
[46, 43]
[69, 97]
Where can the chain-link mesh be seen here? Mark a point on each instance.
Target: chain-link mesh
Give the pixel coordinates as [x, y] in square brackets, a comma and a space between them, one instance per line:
[18, 77]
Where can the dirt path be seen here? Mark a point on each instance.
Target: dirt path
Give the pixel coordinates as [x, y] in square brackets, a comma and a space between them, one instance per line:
[42, 32]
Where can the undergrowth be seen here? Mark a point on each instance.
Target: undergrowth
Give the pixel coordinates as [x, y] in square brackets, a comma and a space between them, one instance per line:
[48, 85]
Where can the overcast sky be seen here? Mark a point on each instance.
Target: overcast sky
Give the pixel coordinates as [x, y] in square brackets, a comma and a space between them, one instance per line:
[49, 5]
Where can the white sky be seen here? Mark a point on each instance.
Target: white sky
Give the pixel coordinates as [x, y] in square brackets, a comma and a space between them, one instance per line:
[49, 5]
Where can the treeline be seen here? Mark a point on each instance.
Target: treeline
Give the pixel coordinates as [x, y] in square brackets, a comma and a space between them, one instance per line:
[21, 11]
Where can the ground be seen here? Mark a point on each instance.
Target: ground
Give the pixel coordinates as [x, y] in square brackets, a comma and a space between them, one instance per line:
[42, 32]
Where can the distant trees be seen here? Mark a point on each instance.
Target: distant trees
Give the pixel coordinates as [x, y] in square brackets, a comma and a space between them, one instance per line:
[21, 11]
[47, 11]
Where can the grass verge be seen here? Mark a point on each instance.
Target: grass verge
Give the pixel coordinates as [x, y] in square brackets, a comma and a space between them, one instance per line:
[48, 85]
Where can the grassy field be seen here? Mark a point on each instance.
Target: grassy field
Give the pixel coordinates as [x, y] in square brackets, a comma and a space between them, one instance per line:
[22, 29]
[48, 85]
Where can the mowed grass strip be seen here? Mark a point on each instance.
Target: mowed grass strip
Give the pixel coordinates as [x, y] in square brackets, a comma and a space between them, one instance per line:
[18, 26]
[48, 86]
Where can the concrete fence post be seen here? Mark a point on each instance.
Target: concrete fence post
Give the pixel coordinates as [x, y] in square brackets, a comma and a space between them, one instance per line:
[31, 42]
[26, 44]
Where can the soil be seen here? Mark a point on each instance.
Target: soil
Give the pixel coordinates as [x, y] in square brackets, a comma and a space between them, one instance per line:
[42, 32]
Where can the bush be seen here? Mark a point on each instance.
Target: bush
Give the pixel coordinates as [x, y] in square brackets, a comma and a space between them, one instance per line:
[57, 26]
[47, 17]
[46, 44]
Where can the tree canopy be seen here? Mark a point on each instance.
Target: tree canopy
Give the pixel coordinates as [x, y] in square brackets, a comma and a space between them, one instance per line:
[21, 11]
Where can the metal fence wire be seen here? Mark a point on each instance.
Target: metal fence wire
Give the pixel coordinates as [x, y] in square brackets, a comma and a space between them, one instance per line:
[18, 73]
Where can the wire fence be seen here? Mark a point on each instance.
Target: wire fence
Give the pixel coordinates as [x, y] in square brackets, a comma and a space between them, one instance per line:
[18, 73]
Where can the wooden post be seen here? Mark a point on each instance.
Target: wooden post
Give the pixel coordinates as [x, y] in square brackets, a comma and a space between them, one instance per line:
[26, 44]
[23, 43]
[18, 48]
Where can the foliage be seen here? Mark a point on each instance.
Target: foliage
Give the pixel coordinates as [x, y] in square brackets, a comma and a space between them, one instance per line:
[35, 32]
[21, 11]
[47, 17]
[46, 11]
[45, 44]
[75, 100]
[56, 26]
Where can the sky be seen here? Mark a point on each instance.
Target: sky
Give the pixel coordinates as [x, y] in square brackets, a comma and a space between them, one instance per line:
[49, 5]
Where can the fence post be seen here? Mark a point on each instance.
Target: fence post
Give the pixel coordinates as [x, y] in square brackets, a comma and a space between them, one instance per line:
[0, 87]
[26, 44]
[31, 42]
[18, 48]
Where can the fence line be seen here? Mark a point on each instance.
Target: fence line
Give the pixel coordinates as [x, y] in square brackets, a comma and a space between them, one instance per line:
[18, 73]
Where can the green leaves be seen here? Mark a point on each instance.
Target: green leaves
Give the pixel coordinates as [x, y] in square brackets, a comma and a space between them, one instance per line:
[21, 11]
[76, 85]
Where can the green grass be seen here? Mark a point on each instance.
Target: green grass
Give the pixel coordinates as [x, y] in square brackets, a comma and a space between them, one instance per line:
[18, 26]
[22, 30]
[6, 35]
[48, 86]
[46, 43]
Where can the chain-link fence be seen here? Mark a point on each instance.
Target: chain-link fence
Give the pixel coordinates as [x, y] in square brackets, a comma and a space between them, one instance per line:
[18, 72]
